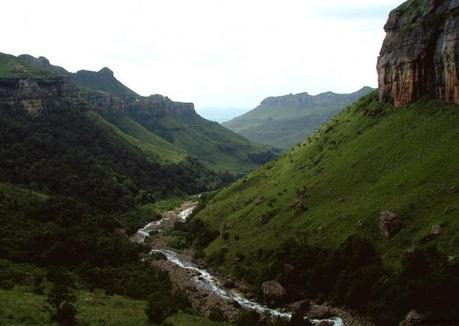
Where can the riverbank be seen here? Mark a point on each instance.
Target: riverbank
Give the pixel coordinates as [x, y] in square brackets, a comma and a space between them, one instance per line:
[206, 289]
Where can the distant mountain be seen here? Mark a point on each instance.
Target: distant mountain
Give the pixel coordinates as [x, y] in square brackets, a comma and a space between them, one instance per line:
[286, 120]
[221, 114]
[159, 126]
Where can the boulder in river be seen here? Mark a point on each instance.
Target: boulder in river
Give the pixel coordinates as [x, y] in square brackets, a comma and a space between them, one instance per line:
[273, 292]
[301, 307]
[229, 284]
[320, 312]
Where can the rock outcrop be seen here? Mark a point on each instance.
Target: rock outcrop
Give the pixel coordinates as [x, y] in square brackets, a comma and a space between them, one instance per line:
[30, 94]
[420, 54]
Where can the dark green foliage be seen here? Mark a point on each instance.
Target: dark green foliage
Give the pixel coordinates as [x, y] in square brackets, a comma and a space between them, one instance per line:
[247, 317]
[353, 275]
[61, 305]
[216, 314]
[160, 307]
[65, 152]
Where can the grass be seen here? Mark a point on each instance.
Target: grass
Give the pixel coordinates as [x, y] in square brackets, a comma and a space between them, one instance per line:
[21, 307]
[367, 159]
[285, 121]
[154, 148]
[12, 67]
[218, 148]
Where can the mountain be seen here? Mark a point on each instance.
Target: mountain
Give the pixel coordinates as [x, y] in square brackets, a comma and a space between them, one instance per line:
[54, 141]
[286, 120]
[365, 212]
[169, 129]
[221, 114]
[73, 188]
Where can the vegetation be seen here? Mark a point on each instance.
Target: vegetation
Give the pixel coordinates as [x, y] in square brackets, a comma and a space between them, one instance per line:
[326, 196]
[163, 130]
[12, 67]
[70, 185]
[285, 121]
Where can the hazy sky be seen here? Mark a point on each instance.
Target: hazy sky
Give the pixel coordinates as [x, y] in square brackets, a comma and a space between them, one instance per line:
[215, 53]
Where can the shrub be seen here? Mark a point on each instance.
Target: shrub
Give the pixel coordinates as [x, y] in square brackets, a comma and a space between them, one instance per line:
[61, 305]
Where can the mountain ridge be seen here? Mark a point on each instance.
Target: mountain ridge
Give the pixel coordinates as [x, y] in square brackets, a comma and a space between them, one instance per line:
[175, 122]
[283, 121]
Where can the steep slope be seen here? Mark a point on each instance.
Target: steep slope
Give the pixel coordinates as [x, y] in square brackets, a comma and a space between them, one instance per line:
[369, 162]
[53, 141]
[181, 129]
[72, 187]
[286, 120]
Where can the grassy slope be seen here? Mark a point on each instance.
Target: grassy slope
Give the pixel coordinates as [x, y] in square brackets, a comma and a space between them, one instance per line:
[219, 148]
[12, 67]
[155, 148]
[102, 80]
[283, 127]
[269, 126]
[354, 168]
[22, 307]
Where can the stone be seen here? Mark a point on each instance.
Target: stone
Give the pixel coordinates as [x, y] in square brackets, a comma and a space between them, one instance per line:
[412, 318]
[436, 230]
[229, 284]
[273, 292]
[325, 323]
[389, 223]
[288, 268]
[320, 311]
[301, 307]
[259, 200]
[420, 54]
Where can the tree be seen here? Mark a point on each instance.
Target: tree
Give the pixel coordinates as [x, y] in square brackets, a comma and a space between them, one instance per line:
[158, 310]
[61, 305]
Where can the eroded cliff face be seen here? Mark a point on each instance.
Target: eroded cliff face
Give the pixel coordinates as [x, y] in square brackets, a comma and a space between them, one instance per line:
[420, 54]
[31, 94]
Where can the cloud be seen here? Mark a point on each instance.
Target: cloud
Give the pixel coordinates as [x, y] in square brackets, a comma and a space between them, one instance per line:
[216, 53]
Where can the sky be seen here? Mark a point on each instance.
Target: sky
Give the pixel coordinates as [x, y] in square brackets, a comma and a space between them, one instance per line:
[214, 53]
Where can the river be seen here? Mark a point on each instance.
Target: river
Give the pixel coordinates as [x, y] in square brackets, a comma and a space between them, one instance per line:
[201, 277]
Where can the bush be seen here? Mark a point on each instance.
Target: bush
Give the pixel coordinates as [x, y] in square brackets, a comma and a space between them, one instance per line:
[216, 314]
[61, 305]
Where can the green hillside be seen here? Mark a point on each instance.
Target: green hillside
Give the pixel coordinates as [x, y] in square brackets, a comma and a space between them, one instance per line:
[332, 188]
[285, 121]
[217, 147]
[22, 307]
[104, 81]
[155, 148]
[12, 67]
[160, 127]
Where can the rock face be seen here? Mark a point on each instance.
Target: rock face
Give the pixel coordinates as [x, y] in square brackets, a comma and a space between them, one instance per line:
[420, 54]
[30, 94]
[273, 292]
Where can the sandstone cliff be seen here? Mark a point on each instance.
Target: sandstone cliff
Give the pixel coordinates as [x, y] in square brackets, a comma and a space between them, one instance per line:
[420, 55]
[31, 94]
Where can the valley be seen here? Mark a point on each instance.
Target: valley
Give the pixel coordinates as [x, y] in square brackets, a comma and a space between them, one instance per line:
[207, 291]
[328, 210]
